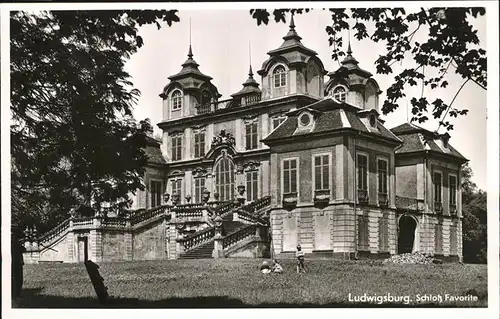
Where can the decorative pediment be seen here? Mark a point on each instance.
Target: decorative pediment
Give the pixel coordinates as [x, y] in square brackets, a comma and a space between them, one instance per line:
[250, 165]
[176, 174]
[199, 127]
[250, 118]
[224, 138]
[220, 149]
[199, 171]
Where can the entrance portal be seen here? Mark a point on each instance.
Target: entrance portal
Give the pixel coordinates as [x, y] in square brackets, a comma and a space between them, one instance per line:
[83, 249]
[406, 236]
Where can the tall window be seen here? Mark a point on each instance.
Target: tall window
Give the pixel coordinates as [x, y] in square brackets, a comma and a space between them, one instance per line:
[279, 76]
[224, 179]
[251, 135]
[363, 233]
[362, 172]
[321, 172]
[199, 144]
[290, 176]
[205, 97]
[176, 100]
[252, 188]
[453, 190]
[382, 176]
[437, 187]
[199, 186]
[384, 232]
[453, 239]
[177, 188]
[339, 93]
[155, 193]
[176, 147]
[276, 121]
[438, 241]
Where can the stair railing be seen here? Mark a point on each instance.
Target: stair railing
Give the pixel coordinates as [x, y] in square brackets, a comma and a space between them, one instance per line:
[239, 235]
[245, 217]
[55, 232]
[197, 239]
[149, 214]
[257, 205]
[189, 212]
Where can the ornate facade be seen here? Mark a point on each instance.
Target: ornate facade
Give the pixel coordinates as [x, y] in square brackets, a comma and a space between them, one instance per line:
[319, 149]
[291, 160]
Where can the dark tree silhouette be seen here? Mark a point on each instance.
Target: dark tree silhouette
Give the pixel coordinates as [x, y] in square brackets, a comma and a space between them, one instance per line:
[74, 141]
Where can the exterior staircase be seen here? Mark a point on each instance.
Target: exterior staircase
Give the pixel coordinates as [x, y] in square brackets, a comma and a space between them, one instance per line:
[229, 225]
[239, 225]
[200, 252]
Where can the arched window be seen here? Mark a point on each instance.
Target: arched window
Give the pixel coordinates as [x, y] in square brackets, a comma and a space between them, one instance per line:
[224, 179]
[371, 97]
[176, 100]
[205, 97]
[339, 93]
[279, 74]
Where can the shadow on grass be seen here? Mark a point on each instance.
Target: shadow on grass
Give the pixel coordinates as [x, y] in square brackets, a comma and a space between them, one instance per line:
[31, 298]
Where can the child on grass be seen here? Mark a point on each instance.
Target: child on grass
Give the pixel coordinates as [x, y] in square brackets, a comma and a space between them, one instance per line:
[277, 267]
[264, 268]
[300, 260]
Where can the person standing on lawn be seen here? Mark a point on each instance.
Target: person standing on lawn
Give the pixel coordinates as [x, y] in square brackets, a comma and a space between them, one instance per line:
[17, 250]
[300, 260]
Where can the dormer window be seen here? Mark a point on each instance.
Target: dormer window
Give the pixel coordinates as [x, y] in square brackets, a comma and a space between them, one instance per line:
[373, 120]
[305, 119]
[176, 100]
[279, 75]
[205, 97]
[339, 93]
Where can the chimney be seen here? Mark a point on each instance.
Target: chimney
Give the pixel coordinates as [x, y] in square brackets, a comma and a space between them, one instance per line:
[445, 138]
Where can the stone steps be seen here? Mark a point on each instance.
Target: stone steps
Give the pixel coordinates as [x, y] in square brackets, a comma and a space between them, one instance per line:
[203, 251]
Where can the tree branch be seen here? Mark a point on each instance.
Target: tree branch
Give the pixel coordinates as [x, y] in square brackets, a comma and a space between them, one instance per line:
[453, 100]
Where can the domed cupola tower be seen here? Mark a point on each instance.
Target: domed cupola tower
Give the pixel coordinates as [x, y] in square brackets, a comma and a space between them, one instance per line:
[353, 85]
[292, 69]
[250, 93]
[187, 90]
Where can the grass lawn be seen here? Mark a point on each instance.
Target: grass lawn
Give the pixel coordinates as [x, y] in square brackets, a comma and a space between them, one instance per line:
[238, 283]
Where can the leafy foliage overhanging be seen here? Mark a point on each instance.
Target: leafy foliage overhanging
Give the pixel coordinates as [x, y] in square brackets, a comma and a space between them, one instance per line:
[74, 141]
[451, 41]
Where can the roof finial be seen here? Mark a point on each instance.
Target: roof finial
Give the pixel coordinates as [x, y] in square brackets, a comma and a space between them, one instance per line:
[292, 23]
[190, 53]
[250, 73]
[349, 51]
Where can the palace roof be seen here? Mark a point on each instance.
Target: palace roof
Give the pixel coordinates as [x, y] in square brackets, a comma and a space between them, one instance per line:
[250, 86]
[190, 68]
[418, 139]
[330, 116]
[153, 151]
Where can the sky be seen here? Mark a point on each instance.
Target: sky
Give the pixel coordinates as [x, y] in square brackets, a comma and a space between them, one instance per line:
[224, 42]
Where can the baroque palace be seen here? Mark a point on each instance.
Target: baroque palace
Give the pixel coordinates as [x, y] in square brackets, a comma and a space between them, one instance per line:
[290, 160]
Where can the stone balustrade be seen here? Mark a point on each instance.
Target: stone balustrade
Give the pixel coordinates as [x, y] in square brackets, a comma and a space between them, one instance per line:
[55, 232]
[238, 236]
[257, 205]
[150, 213]
[243, 217]
[197, 239]
[83, 222]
